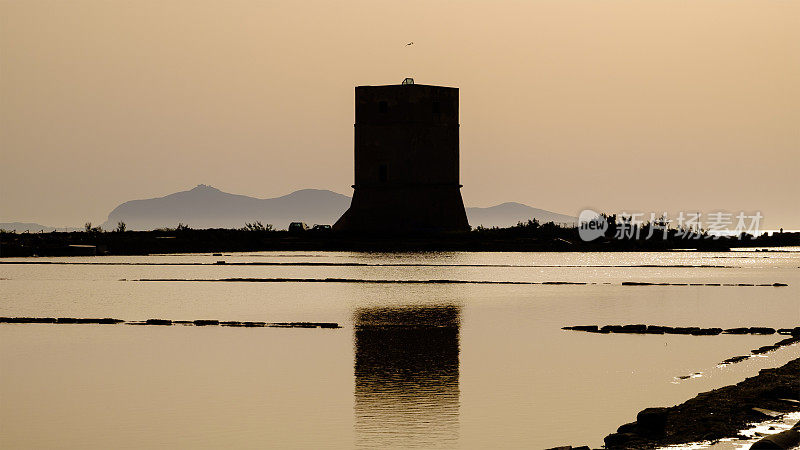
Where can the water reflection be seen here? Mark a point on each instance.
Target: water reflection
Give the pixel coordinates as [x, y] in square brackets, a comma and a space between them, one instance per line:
[406, 376]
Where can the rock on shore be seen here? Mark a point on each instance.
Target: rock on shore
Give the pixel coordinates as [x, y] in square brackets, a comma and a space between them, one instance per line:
[715, 414]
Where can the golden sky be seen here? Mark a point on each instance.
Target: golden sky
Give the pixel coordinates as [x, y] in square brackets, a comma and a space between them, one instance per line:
[644, 105]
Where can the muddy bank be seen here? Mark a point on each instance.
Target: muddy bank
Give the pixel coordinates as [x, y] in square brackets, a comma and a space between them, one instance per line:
[436, 281]
[792, 333]
[358, 264]
[165, 322]
[715, 414]
[694, 331]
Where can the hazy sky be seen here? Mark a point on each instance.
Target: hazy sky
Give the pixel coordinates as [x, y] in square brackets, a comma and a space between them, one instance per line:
[565, 104]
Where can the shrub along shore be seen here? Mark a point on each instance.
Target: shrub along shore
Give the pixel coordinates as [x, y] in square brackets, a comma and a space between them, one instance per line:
[530, 236]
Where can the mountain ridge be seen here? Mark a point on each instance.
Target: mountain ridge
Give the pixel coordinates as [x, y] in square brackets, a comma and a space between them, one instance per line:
[205, 206]
[509, 213]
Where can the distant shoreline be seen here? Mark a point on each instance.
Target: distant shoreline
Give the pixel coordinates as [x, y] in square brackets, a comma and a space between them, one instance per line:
[524, 238]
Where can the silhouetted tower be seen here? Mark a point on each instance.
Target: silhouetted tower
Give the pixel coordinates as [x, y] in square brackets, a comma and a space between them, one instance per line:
[406, 161]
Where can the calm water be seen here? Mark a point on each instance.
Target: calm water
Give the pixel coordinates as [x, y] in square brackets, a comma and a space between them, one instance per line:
[427, 365]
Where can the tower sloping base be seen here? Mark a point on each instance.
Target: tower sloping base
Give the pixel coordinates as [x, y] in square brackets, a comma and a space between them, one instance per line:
[416, 209]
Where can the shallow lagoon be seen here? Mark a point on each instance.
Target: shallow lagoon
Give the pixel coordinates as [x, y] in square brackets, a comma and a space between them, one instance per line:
[430, 364]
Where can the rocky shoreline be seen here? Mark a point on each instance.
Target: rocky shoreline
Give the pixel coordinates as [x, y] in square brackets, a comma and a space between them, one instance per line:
[721, 413]
[716, 414]
[793, 333]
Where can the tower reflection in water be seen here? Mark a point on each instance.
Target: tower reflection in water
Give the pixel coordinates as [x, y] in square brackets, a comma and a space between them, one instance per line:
[406, 376]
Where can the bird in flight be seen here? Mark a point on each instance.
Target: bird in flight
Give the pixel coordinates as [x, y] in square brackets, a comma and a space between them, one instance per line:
[410, 43]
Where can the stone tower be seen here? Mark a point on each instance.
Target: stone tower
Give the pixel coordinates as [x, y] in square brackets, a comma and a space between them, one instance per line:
[406, 161]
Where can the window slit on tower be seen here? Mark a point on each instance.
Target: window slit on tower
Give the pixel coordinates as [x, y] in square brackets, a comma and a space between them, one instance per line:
[382, 173]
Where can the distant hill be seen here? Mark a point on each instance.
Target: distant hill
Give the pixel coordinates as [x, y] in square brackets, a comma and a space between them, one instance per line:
[208, 207]
[21, 227]
[508, 214]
